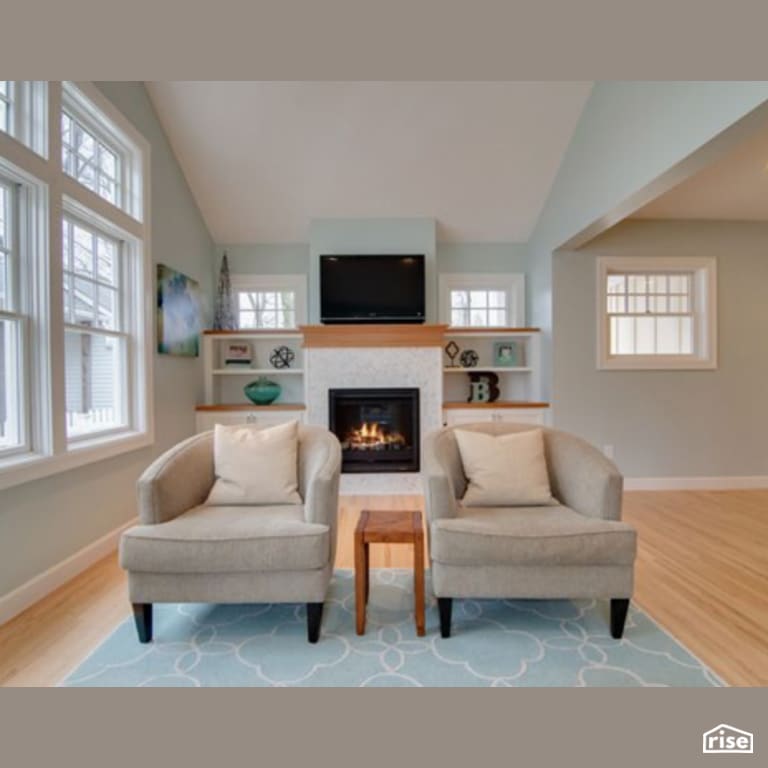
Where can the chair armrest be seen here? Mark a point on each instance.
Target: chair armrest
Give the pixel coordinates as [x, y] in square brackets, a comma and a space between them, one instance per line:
[439, 489]
[583, 478]
[177, 481]
[320, 469]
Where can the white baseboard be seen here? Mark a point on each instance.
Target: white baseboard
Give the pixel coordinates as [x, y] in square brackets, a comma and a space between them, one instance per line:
[737, 483]
[37, 588]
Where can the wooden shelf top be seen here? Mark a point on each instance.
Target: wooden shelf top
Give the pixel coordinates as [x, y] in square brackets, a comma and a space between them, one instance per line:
[498, 404]
[250, 407]
[455, 331]
[488, 368]
[395, 335]
[244, 371]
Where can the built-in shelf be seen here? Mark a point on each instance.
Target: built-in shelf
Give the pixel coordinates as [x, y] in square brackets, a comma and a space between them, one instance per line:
[489, 332]
[243, 371]
[498, 404]
[488, 368]
[248, 407]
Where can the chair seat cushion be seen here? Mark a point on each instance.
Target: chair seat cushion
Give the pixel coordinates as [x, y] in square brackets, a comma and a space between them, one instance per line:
[530, 536]
[211, 539]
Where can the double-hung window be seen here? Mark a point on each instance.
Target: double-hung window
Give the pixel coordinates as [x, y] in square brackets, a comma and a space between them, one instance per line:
[95, 334]
[482, 300]
[656, 313]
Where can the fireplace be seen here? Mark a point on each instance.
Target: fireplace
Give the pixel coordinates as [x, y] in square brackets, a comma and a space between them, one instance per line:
[378, 428]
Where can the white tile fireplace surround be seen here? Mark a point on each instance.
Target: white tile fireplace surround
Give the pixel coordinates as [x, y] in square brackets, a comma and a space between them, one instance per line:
[391, 367]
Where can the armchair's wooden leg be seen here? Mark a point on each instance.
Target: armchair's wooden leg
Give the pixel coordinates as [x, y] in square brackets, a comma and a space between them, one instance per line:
[314, 619]
[445, 607]
[142, 615]
[619, 608]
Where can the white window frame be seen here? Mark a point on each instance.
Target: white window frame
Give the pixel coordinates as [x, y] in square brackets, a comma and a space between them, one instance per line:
[251, 282]
[512, 283]
[129, 326]
[704, 273]
[32, 310]
[50, 193]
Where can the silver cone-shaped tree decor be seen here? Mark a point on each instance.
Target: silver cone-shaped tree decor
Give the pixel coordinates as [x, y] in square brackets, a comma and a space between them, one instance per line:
[224, 315]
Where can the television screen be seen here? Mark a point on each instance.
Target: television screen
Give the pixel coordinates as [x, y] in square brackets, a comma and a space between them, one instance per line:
[372, 289]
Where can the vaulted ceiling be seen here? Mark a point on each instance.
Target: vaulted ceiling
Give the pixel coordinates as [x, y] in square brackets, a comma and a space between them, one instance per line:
[262, 158]
[734, 188]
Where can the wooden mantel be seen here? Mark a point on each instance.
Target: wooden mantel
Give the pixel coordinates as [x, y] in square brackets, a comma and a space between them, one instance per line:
[373, 335]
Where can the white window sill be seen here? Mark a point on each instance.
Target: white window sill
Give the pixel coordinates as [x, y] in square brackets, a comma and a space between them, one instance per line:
[657, 363]
[32, 466]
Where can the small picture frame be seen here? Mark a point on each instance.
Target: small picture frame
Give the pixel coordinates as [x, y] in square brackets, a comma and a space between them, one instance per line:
[238, 354]
[507, 354]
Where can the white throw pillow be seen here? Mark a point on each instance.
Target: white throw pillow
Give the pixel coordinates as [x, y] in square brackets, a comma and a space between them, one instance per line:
[254, 465]
[504, 470]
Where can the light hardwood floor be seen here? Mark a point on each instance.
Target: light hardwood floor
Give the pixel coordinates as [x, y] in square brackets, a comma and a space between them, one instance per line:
[702, 572]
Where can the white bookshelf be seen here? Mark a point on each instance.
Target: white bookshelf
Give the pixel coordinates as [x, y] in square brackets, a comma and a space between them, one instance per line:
[520, 388]
[224, 401]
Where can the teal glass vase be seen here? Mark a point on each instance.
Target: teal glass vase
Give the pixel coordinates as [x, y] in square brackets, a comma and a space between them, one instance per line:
[262, 391]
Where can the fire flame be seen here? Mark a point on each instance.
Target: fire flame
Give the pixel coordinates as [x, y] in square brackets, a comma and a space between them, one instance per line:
[372, 436]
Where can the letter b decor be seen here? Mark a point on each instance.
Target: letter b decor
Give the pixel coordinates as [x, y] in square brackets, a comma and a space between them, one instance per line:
[483, 387]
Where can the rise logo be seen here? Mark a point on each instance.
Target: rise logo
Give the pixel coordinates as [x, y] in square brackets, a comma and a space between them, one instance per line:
[725, 739]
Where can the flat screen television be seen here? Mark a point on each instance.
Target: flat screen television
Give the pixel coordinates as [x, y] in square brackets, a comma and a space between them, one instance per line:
[372, 289]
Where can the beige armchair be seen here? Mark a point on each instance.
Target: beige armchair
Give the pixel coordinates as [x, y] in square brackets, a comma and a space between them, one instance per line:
[576, 549]
[186, 551]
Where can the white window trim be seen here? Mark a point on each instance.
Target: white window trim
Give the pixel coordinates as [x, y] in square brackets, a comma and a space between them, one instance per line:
[704, 272]
[87, 105]
[513, 283]
[295, 283]
[54, 190]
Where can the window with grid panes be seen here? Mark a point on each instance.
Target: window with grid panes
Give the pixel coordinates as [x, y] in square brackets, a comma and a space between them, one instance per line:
[266, 309]
[650, 314]
[479, 308]
[89, 160]
[657, 312]
[95, 342]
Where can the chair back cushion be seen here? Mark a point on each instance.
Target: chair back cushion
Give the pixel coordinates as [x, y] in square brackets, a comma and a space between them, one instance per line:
[504, 470]
[255, 465]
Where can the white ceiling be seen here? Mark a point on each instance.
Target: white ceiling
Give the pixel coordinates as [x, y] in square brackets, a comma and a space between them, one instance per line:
[733, 188]
[262, 159]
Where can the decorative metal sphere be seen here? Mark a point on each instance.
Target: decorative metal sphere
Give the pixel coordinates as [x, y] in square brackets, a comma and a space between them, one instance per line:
[282, 357]
[469, 358]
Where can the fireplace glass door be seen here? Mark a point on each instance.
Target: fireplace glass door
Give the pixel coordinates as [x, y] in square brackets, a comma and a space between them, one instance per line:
[378, 429]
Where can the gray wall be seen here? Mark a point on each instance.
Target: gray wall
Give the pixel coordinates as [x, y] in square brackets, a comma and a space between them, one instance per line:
[43, 522]
[670, 423]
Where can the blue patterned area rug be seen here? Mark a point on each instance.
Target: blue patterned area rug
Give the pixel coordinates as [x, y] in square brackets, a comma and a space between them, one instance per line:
[494, 643]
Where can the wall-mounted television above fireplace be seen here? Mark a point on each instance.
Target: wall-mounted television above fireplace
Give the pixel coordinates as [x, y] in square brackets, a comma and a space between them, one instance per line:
[372, 289]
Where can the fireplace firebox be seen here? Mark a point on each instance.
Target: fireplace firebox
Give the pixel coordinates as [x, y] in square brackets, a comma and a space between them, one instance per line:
[378, 428]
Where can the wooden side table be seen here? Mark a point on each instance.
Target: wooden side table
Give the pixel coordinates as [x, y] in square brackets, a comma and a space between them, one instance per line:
[388, 527]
